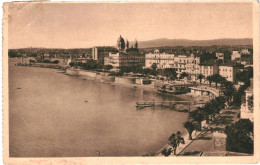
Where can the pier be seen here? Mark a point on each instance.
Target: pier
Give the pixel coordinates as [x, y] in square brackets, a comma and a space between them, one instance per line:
[160, 103]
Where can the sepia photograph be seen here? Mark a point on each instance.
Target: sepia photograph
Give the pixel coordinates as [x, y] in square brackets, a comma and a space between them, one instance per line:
[130, 79]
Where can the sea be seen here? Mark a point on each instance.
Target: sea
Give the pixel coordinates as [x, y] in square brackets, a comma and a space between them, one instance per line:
[52, 114]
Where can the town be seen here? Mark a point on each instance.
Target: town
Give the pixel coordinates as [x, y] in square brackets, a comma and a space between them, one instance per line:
[219, 78]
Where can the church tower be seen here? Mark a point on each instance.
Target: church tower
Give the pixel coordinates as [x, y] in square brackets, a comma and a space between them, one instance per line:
[127, 44]
[136, 44]
[120, 43]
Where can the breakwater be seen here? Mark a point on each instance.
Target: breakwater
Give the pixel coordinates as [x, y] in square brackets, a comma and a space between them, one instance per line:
[104, 77]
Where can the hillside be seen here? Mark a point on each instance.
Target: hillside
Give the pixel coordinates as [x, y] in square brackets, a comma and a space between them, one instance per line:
[183, 42]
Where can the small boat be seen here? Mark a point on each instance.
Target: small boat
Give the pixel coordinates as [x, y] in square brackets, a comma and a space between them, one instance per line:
[86, 101]
[18, 88]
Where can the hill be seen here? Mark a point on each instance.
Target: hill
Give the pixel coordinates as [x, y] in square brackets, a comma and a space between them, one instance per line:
[184, 42]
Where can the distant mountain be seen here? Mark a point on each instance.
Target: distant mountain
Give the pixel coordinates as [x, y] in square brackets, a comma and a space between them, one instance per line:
[184, 42]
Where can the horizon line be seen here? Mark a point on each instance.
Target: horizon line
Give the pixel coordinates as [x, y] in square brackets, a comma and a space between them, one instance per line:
[133, 41]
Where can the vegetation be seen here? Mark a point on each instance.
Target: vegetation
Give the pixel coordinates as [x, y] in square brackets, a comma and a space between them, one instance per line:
[216, 78]
[190, 127]
[250, 100]
[176, 140]
[200, 77]
[183, 75]
[228, 90]
[210, 79]
[197, 116]
[107, 67]
[240, 137]
[166, 152]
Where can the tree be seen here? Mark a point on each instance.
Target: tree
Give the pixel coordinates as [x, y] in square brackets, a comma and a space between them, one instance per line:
[72, 64]
[228, 90]
[240, 136]
[190, 127]
[154, 66]
[217, 79]
[250, 102]
[198, 116]
[167, 152]
[107, 67]
[12, 54]
[170, 73]
[200, 77]
[184, 74]
[175, 140]
[209, 78]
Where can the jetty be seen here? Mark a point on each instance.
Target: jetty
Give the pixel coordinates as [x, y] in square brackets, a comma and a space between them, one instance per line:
[160, 103]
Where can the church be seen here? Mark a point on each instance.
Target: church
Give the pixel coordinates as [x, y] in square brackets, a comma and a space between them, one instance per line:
[123, 45]
[126, 56]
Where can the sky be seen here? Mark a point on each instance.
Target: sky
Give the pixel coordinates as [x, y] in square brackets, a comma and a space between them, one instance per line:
[83, 25]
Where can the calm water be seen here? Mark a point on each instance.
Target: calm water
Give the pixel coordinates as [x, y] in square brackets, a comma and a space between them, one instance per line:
[49, 117]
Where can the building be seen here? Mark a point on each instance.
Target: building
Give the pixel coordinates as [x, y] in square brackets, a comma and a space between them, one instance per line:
[99, 53]
[182, 63]
[244, 52]
[247, 110]
[125, 56]
[162, 60]
[120, 59]
[95, 53]
[188, 64]
[123, 45]
[235, 55]
[220, 56]
[208, 69]
[229, 72]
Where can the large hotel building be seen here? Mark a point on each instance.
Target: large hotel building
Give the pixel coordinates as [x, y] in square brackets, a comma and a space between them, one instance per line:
[182, 63]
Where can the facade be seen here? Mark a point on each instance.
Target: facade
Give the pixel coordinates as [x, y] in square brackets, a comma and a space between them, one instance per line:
[188, 64]
[120, 59]
[246, 110]
[208, 69]
[95, 53]
[182, 63]
[162, 60]
[229, 72]
[235, 55]
[125, 56]
[99, 53]
[220, 56]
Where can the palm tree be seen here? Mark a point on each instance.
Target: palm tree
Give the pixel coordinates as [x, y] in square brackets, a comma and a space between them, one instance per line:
[209, 78]
[200, 77]
[175, 141]
[198, 116]
[190, 127]
[228, 90]
[217, 79]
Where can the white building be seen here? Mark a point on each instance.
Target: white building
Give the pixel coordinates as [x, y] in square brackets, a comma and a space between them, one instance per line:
[162, 60]
[220, 56]
[246, 112]
[244, 51]
[188, 64]
[235, 55]
[182, 63]
[229, 72]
